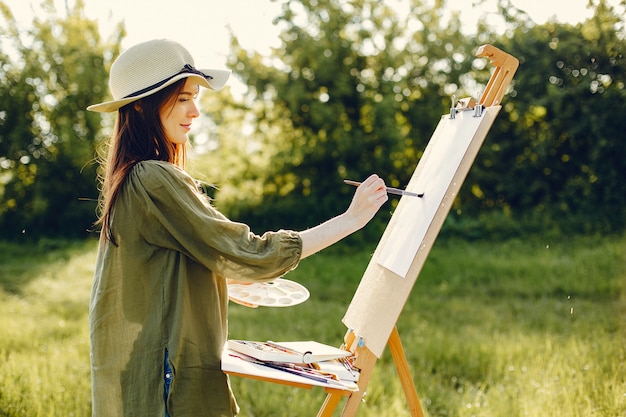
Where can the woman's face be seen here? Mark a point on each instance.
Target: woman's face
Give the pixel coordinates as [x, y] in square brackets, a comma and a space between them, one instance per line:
[178, 112]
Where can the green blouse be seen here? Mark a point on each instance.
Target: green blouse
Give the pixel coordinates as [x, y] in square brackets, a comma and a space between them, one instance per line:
[163, 288]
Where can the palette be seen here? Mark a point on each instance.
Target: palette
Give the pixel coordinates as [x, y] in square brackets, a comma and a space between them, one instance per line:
[278, 293]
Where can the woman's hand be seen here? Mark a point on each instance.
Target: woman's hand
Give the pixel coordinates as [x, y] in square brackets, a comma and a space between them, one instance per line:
[367, 200]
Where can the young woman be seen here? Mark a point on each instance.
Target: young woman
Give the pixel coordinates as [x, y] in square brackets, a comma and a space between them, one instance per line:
[158, 311]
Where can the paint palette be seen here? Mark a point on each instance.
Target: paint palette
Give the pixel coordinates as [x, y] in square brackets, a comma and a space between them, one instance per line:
[278, 293]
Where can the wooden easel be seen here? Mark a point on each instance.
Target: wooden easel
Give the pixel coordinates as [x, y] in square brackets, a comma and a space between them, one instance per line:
[370, 319]
[365, 361]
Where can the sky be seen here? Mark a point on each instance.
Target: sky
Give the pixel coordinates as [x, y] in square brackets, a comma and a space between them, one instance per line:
[202, 25]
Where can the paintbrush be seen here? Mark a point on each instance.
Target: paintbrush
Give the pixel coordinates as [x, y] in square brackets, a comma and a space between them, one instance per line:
[390, 190]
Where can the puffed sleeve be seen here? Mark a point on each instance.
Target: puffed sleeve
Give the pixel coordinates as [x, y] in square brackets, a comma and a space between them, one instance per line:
[173, 214]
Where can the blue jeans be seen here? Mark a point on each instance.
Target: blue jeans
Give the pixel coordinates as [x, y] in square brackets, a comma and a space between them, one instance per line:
[168, 375]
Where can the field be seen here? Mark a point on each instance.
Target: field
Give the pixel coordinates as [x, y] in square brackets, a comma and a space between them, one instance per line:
[525, 327]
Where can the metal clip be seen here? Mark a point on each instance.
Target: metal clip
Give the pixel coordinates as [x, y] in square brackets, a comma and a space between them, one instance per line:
[453, 108]
[478, 110]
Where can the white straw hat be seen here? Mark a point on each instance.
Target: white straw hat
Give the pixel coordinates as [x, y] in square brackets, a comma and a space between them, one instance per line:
[151, 66]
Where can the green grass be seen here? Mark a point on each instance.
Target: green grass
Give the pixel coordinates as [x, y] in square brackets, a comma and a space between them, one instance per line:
[517, 328]
[44, 343]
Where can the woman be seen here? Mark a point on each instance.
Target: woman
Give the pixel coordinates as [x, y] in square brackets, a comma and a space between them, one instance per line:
[158, 311]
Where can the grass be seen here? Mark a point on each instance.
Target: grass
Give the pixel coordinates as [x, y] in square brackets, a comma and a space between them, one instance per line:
[44, 348]
[516, 328]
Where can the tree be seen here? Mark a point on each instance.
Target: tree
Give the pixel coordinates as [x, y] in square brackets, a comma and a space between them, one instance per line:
[355, 89]
[351, 91]
[47, 138]
[557, 147]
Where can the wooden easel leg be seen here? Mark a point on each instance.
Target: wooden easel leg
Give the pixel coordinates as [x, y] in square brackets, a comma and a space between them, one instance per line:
[402, 366]
[365, 362]
[330, 404]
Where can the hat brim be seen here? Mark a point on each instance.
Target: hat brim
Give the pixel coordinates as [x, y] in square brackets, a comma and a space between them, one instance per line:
[219, 78]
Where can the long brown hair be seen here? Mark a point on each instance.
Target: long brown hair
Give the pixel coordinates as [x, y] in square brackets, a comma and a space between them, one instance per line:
[138, 135]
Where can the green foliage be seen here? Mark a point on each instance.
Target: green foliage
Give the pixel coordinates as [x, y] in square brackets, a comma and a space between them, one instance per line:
[343, 97]
[556, 151]
[490, 329]
[48, 140]
[356, 88]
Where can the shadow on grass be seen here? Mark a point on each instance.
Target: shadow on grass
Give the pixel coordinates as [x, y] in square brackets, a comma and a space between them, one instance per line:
[21, 263]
